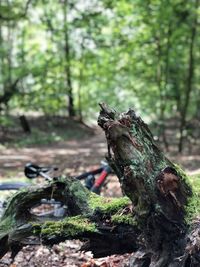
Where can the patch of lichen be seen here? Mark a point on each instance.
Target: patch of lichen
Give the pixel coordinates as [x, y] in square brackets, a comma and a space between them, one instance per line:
[123, 219]
[69, 227]
[107, 205]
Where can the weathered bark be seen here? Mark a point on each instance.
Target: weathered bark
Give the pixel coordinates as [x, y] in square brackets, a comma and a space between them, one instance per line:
[157, 188]
[156, 223]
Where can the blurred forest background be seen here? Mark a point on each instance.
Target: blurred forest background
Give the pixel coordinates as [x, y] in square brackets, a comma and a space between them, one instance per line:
[59, 58]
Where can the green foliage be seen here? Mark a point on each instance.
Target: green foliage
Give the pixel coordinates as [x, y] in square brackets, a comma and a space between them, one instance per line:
[130, 53]
[6, 122]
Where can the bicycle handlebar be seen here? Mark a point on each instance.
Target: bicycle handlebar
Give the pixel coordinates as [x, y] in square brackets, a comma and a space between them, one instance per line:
[32, 171]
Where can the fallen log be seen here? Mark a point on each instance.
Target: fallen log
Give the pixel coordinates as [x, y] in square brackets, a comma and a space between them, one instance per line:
[106, 224]
[155, 221]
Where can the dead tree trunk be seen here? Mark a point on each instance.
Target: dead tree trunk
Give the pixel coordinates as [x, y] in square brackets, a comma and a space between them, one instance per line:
[158, 189]
[157, 224]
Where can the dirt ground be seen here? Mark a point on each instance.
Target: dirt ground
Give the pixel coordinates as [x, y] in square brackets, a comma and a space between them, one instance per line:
[73, 157]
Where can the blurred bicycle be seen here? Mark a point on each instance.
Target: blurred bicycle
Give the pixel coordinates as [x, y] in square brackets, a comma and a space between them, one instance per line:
[94, 180]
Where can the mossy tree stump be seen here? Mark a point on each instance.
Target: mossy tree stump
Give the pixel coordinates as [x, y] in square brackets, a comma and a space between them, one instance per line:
[154, 221]
[159, 191]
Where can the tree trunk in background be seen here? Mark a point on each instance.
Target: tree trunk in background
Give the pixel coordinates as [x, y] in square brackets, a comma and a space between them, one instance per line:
[162, 82]
[25, 124]
[71, 109]
[166, 73]
[8, 83]
[9, 54]
[189, 80]
[8, 93]
[79, 96]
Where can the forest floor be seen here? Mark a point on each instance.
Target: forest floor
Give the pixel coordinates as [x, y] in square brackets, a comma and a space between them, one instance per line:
[79, 149]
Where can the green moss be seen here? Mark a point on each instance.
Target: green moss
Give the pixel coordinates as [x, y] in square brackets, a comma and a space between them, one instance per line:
[107, 205]
[79, 191]
[69, 227]
[182, 174]
[6, 224]
[193, 207]
[123, 219]
[195, 182]
[75, 226]
[80, 194]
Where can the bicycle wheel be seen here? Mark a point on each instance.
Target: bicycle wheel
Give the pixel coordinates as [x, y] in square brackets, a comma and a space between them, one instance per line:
[12, 186]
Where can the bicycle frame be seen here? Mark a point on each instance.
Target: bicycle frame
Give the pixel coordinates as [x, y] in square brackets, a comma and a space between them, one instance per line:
[32, 171]
[96, 185]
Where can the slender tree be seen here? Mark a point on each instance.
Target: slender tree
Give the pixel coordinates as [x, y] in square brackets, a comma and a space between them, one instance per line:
[67, 64]
[190, 75]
